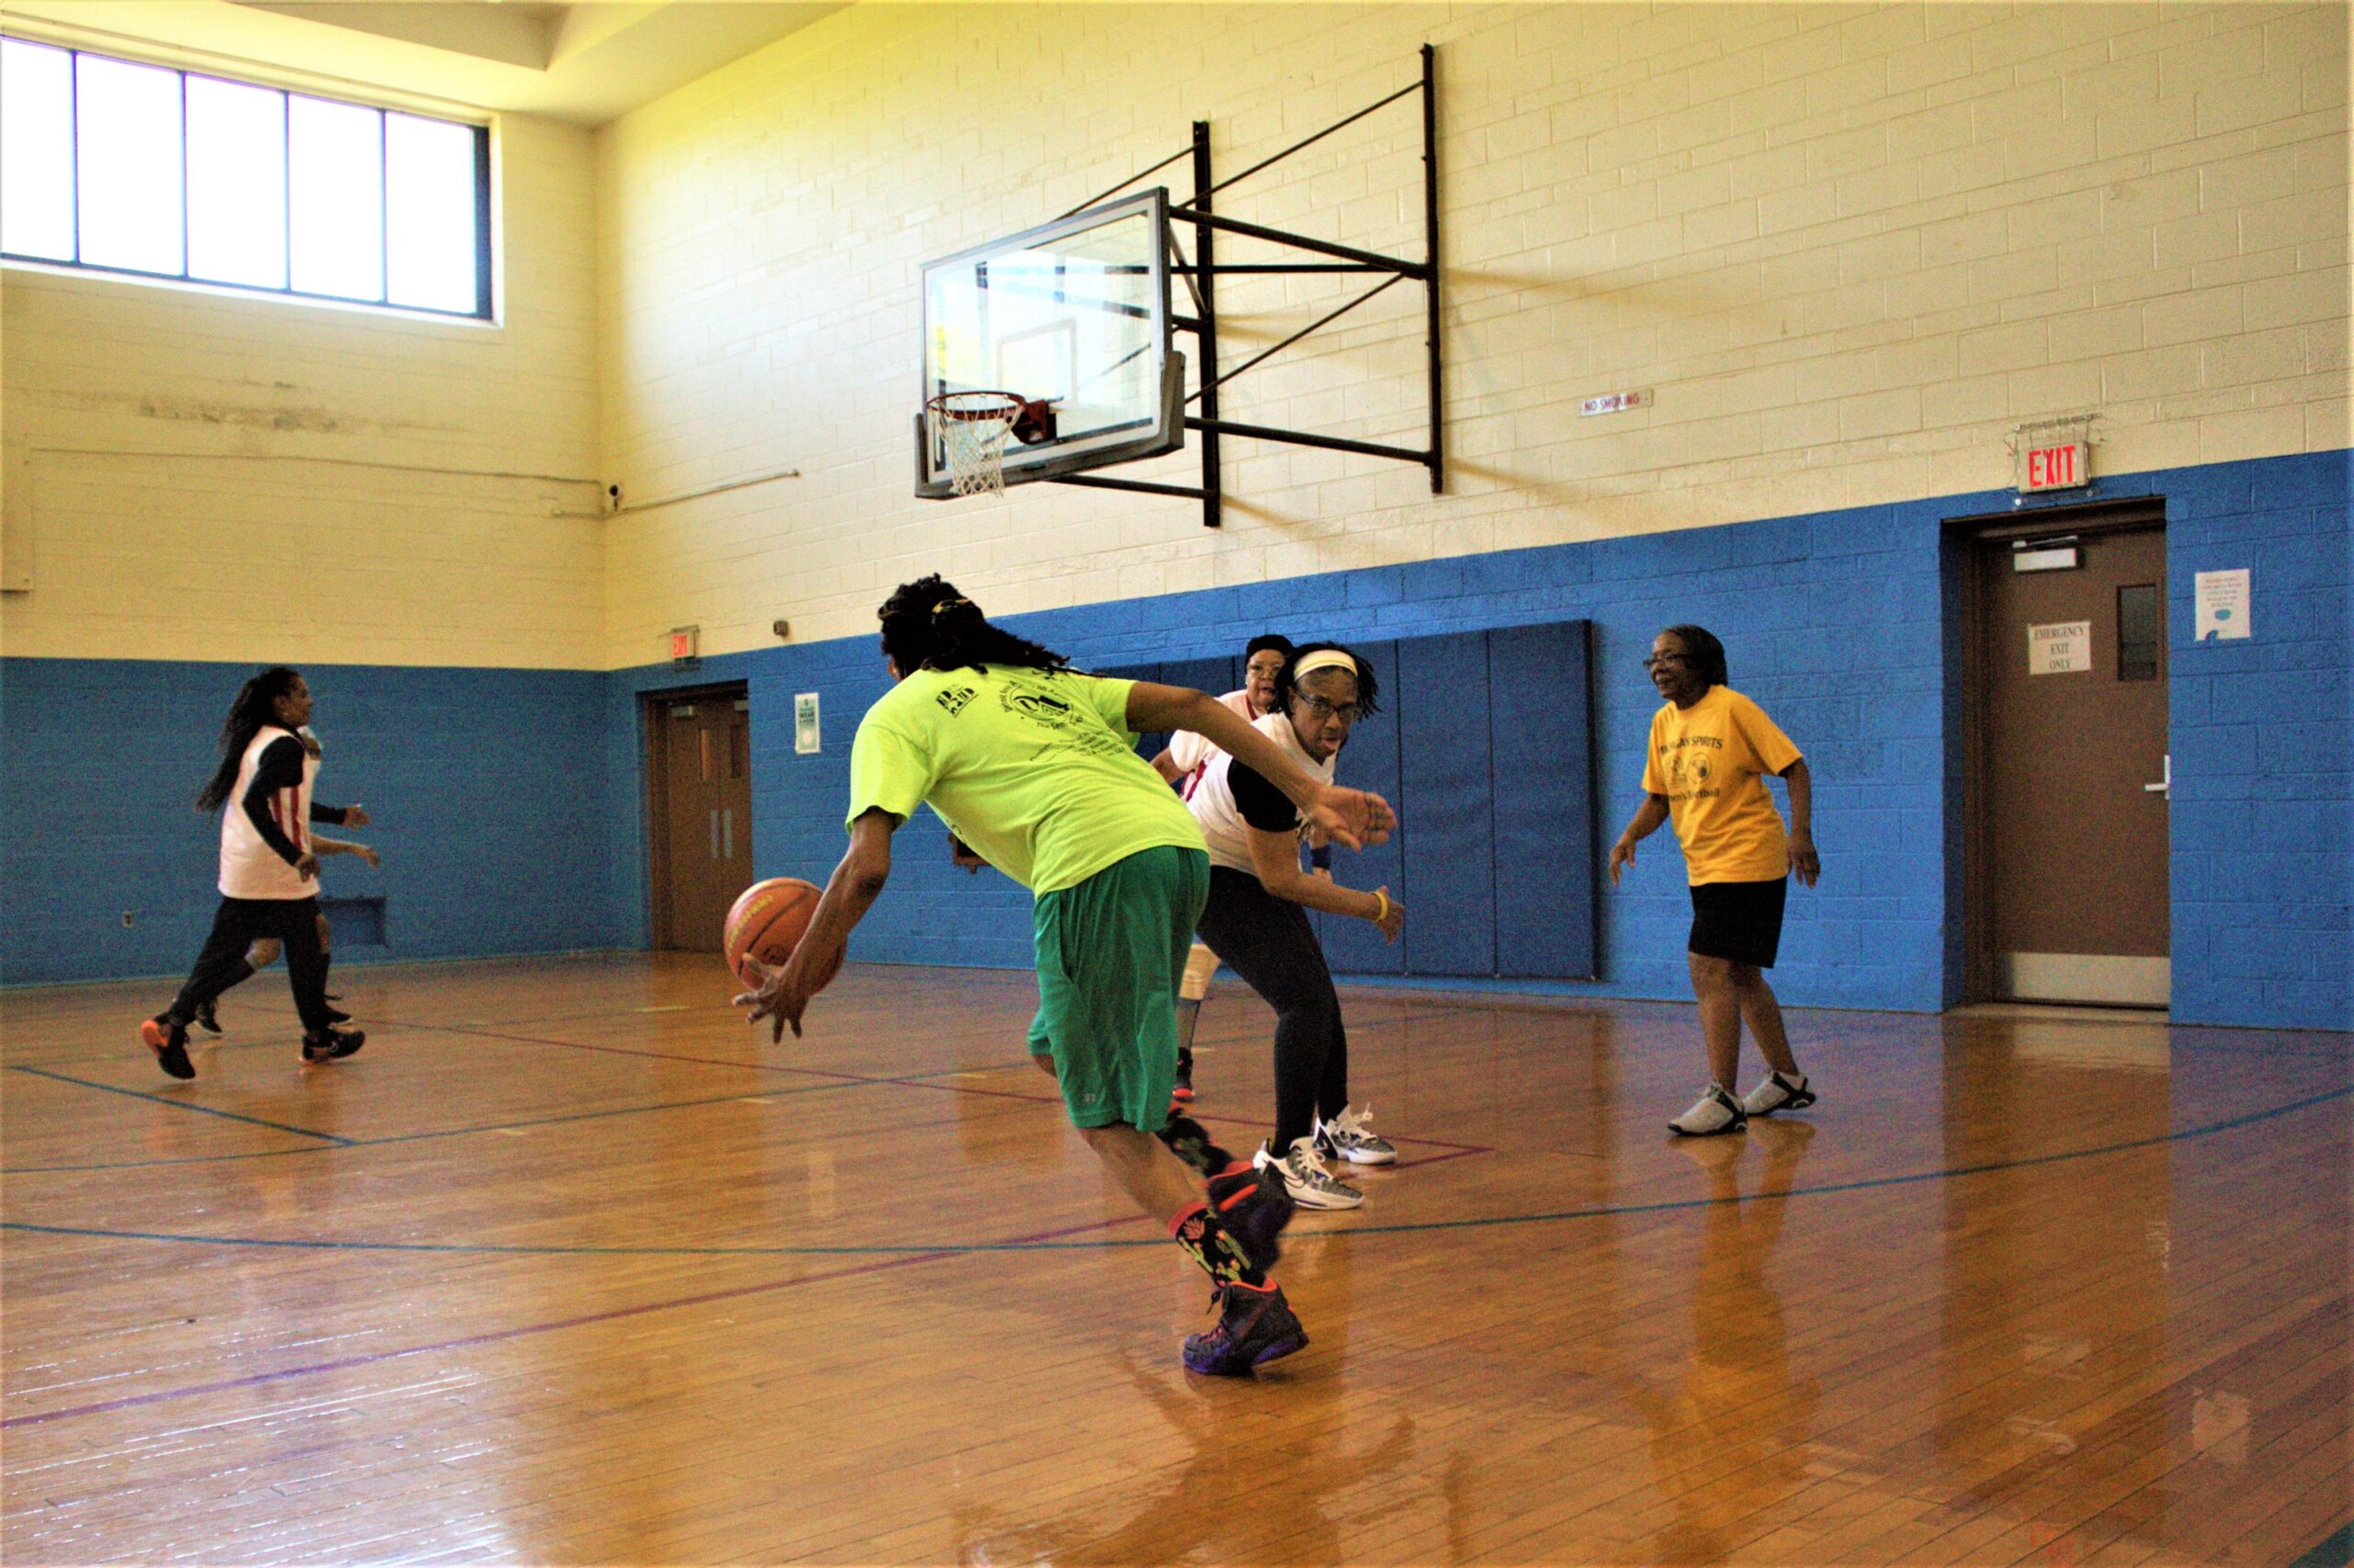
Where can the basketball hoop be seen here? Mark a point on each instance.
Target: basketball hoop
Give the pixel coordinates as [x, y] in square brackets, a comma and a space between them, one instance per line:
[973, 427]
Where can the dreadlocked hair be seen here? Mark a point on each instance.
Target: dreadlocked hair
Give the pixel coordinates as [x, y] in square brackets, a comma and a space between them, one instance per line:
[927, 624]
[256, 705]
[1706, 653]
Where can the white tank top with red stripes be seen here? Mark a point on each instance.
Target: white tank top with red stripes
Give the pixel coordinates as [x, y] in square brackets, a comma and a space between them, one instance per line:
[249, 868]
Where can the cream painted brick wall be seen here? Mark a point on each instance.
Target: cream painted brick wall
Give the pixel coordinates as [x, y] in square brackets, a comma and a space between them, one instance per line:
[1847, 247]
[223, 476]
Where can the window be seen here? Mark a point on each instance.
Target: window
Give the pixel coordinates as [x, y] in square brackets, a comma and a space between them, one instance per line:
[122, 168]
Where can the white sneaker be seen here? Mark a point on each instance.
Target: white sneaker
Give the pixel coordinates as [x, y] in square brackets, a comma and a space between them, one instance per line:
[1778, 1091]
[1310, 1185]
[1714, 1112]
[1345, 1137]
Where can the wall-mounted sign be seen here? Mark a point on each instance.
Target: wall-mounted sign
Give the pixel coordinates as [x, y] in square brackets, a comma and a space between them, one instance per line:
[2053, 454]
[2221, 600]
[2060, 648]
[683, 643]
[805, 729]
[1612, 402]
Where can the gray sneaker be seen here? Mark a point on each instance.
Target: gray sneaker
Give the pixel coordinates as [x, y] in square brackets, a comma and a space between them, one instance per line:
[1310, 1185]
[1778, 1091]
[1716, 1111]
[1347, 1137]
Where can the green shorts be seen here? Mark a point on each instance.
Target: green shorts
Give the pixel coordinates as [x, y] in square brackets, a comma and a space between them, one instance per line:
[1111, 951]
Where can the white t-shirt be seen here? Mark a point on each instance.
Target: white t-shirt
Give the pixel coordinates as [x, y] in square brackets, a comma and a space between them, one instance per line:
[1191, 752]
[1225, 826]
[249, 868]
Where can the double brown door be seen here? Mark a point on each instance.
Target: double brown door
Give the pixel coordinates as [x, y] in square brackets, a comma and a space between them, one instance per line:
[2074, 772]
[699, 784]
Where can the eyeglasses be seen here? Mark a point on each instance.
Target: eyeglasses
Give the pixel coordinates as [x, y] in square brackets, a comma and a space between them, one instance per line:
[1346, 712]
[1656, 660]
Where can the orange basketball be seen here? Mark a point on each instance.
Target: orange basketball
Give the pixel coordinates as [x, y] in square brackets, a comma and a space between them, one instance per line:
[767, 923]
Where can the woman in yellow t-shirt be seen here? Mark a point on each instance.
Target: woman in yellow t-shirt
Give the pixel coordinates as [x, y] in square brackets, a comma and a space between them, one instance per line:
[1711, 749]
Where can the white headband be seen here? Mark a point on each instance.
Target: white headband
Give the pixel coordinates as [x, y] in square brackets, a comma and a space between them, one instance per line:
[1322, 658]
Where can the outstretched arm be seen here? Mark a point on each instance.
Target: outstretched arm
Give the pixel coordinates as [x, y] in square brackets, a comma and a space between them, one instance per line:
[1276, 858]
[322, 844]
[856, 883]
[1642, 825]
[1355, 817]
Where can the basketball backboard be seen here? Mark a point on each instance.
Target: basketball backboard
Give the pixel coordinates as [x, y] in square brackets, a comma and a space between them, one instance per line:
[1074, 312]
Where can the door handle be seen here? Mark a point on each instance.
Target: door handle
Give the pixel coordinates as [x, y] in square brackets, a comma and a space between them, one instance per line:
[2165, 786]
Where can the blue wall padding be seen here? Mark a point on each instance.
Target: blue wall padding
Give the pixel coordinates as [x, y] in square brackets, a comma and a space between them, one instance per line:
[1448, 835]
[1540, 751]
[489, 805]
[1370, 761]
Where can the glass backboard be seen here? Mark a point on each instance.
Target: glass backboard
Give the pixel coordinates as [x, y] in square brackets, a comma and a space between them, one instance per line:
[1075, 313]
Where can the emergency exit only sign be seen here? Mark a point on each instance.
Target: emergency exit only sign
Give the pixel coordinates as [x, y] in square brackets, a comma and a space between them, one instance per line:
[2066, 466]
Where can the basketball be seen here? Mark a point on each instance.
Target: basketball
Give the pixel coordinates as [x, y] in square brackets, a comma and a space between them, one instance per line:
[766, 923]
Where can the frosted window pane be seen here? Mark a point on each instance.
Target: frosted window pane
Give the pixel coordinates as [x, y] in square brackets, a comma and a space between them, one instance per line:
[429, 197]
[335, 156]
[37, 211]
[237, 183]
[128, 117]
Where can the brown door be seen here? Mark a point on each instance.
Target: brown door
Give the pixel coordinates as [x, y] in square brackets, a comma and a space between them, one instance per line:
[2072, 766]
[699, 788]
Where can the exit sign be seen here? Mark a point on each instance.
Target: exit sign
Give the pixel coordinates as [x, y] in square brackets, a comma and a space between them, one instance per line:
[683, 640]
[2067, 466]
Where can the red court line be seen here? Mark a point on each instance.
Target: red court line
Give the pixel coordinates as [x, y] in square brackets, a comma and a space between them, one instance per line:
[496, 1336]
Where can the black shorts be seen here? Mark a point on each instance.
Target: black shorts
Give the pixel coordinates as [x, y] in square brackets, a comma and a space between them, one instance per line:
[1739, 921]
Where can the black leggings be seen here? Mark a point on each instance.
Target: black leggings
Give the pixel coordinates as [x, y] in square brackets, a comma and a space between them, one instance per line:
[1268, 942]
[294, 922]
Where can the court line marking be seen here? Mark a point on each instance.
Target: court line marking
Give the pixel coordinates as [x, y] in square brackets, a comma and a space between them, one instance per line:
[1407, 1227]
[181, 1105]
[395, 1138]
[494, 1336]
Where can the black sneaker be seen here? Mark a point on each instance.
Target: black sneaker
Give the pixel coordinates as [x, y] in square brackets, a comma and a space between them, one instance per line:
[168, 1039]
[208, 1019]
[1253, 1208]
[331, 1045]
[1254, 1327]
[1184, 1089]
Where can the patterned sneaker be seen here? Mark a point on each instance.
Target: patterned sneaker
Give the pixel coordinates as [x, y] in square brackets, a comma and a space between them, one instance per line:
[331, 1045]
[1254, 1207]
[1345, 1137]
[1714, 1112]
[1184, 1089]
[1778, 1091]
[208, 1019]
[169, 1041]
[1254, 1327]
[1311, 1186]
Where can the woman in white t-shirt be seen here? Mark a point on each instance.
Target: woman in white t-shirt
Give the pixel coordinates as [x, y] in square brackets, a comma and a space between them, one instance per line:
[1257, 920]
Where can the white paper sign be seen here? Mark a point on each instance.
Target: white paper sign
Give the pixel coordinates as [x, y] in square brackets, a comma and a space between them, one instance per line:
[805, 732]
[2221, 606]
[2060, 648]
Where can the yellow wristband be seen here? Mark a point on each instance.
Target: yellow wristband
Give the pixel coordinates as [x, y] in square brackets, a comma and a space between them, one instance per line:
[1383, 911]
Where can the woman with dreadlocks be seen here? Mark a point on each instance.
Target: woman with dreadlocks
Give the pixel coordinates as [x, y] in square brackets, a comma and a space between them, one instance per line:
[1032, 765]
[269, 872]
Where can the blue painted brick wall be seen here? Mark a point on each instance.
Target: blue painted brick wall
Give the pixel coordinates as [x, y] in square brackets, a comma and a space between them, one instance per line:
[488, 802]
[513, 806]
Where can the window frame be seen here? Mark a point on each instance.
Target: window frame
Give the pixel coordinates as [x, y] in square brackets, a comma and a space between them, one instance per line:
[485, 283]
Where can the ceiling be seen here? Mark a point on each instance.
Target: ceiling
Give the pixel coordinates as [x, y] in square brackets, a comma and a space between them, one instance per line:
[584, 63]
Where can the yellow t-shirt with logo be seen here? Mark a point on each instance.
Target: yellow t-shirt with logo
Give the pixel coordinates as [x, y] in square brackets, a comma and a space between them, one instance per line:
[1710, 760]
[1035, 770]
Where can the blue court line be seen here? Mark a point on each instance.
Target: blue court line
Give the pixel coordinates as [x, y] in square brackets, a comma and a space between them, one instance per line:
[1410, 1227]
[396, 1136]
[2334, 1551]
[183, 1105]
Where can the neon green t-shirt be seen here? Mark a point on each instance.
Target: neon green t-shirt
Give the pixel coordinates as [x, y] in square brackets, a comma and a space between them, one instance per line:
[1035, 770]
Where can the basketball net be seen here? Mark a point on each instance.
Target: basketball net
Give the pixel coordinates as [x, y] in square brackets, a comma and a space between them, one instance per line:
[973, 427]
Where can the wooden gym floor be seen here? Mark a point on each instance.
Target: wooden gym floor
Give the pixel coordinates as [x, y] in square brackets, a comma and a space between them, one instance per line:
[565, 1267]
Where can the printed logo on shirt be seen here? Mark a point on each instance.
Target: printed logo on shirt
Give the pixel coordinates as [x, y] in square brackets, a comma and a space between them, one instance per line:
[955, 698]
[1068, 723]
[1690, 772]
